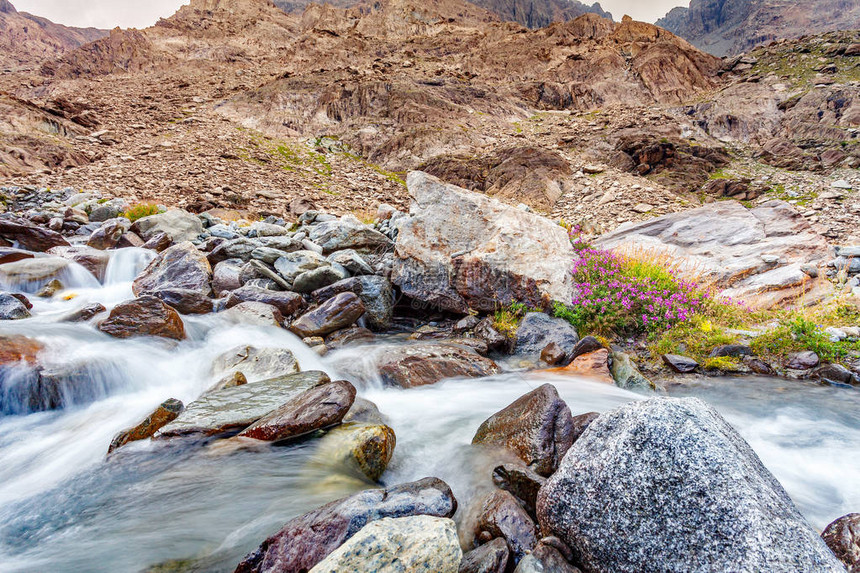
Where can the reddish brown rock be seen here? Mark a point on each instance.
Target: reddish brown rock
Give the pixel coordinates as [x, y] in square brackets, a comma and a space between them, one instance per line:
[10, 255]
[289, 303]
[502, 516]
[843, 538]
[181, 266]
[108, 235]
[421, 364]
[92, 259]
[144, 316]
[538, 427]
[593, 365]
[31, 237]
[319, 407]
[15, 348]
[160, 417]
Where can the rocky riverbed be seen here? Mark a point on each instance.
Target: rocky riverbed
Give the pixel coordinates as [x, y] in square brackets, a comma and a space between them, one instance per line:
[179, 350]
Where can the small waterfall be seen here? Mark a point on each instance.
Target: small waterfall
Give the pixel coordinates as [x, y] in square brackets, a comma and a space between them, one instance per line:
[126, 264]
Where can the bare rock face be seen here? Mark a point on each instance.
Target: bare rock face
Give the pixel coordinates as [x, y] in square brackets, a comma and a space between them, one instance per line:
[668, 485]
[538, 427]
[462, 250]
[144, 316]
[308, 539]
[752, 255]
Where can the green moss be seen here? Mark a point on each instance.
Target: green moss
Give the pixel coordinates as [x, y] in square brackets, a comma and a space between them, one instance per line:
[723, 364]
[695, 338]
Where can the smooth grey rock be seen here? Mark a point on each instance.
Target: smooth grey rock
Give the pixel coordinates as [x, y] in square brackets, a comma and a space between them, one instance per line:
[347, 233]
[312, 280]
[668, 485]
[306, 540]
[375, 292]
[398, 545]
[626, 374]
[225, 276]
[179, 225]
[234, 409]
[680, 364]
[294, 264]
[538, 329]
[351, 261]
[802, 360]
[255, 363]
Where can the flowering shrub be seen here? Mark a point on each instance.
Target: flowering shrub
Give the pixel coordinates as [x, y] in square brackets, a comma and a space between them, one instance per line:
[626, 295]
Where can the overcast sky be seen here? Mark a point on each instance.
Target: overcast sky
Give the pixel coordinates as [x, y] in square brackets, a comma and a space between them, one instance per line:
[142, 13]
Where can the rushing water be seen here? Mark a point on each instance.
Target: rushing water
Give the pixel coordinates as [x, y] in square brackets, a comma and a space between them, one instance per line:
[202, 507]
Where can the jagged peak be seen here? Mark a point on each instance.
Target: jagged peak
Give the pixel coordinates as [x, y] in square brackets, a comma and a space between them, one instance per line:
[7, 8]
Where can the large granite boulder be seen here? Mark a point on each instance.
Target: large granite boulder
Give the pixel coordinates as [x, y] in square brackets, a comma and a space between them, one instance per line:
[308, 539]
[420, 364]
[753, 255]
[462, 250]
[398, 545]
[182, 266]
[234, 409]
[143, 316]
[537, 426]
[177, 224]
[668, 485]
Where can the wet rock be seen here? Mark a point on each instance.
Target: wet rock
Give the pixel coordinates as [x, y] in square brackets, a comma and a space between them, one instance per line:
[225, 276]
[594, 365]
[544, 559]
[255, 363]
[181, 266]
[538, 329]
[160, 417]
[316, 408]
[50, 289]
[93, 260]
[289, 303]
[626, 374]
[185, 301]
[520, 481]
[229, 381]
[254, 314]
[179, 225]
[585, 346]
[802, 360]
[401, 545]
[843, 538]
[364, 411]
[129, 240]
[11, 308]
[680, 364]
[553, 354]
[348, 336]
[10, 255]
[462, 250]
[466, 324]
[347, 233]
[108, 235]
[310, 281]
[84, 313]
[143, 316]
[427, 363]
[357, 449]
[501, 516]
[654, 486]
[759, 366]
[16, 349]
[233, 409]
[486, 331]
[375, 292]
[491, 557]
[32, 274]
[537, 427]
[337, 312]
[308, 539]
[31, 237]
[581, 422]
[835, 374]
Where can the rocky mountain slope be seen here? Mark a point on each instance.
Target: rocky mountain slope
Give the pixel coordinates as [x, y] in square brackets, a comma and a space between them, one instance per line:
[729, 27]
[26, 40]
[529, 13]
